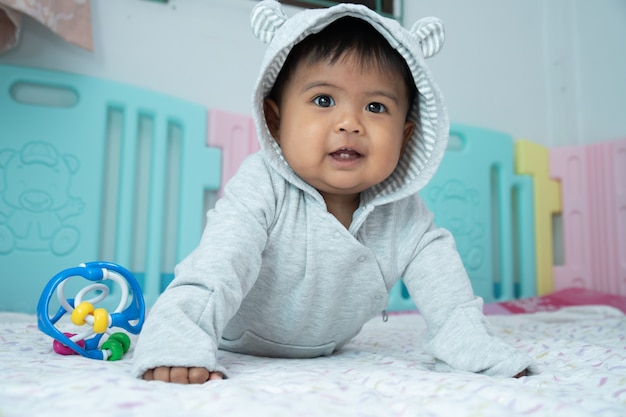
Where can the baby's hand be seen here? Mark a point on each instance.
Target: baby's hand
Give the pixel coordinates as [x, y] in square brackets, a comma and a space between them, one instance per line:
[181, 375]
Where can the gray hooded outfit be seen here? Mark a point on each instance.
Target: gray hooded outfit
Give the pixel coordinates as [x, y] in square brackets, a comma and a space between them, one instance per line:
[276, 275]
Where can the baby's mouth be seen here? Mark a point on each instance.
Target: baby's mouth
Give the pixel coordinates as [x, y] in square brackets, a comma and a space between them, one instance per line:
[345, 154]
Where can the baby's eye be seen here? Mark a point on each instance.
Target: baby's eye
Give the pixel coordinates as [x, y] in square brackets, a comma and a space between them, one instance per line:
[376, 108]
[324, 101]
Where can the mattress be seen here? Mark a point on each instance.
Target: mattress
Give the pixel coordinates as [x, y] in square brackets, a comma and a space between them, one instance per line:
[578, 341]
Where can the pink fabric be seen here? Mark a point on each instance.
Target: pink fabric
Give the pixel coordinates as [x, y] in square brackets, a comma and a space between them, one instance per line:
[557, 300]
[569, 297]
[70, 19]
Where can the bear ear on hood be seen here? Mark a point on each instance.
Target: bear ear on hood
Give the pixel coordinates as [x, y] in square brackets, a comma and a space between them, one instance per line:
[267, 17]
[430, 33]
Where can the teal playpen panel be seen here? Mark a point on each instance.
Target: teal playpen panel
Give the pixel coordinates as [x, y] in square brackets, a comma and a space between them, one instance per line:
[95, 170]
[477, 196]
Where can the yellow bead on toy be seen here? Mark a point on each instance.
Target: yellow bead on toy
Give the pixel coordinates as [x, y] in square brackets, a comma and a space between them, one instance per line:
[81, 312]
[100, 320]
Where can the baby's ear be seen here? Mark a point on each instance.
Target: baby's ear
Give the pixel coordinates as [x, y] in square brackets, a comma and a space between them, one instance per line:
[272, 118]
[409, 127]
[431, 34]
[267, 17]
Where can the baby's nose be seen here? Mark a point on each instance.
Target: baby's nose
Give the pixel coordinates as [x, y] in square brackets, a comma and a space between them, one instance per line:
[349, 122]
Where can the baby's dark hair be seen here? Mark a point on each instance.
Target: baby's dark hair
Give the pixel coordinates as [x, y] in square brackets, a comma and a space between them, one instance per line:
[347, 34]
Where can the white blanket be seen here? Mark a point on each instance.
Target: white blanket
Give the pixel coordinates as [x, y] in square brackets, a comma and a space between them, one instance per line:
[382, 372]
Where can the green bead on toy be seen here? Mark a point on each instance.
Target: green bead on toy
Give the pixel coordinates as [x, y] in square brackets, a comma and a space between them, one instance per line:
[118, 344]
[122, 338]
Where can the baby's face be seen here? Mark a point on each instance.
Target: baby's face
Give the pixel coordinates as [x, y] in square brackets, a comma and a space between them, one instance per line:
[342, 127]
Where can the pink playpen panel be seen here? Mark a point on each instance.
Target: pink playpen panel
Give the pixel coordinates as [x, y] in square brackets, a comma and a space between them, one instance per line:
[235, 134]
[593, 179]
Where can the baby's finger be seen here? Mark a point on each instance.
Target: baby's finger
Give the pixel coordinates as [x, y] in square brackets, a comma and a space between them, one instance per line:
[162, 373]
[216, 376]
[198, 375]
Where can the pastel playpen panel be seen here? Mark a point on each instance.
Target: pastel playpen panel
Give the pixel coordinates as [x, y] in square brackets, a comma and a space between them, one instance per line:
[534, 159]
[593, 179]
[95, 170]
[235, 135]
[488, 208]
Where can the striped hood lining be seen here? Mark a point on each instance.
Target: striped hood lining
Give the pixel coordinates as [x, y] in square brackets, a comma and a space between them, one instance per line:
[424, 39]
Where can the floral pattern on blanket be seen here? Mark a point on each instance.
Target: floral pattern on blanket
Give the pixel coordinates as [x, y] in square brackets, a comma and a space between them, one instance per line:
[382, 372]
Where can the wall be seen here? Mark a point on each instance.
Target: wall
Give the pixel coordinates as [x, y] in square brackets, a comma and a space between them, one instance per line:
[547, 70]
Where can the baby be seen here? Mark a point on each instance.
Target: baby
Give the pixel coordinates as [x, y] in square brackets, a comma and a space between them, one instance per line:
[316, 227]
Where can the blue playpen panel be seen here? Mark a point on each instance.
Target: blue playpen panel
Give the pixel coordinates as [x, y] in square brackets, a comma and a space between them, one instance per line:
[95, 170]
[477, 196]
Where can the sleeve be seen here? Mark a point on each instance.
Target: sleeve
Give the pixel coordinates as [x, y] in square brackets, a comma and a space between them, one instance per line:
[458, 333]
[185, 325]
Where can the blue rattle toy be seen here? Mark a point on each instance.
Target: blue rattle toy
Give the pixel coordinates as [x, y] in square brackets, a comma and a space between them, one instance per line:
[129, 314]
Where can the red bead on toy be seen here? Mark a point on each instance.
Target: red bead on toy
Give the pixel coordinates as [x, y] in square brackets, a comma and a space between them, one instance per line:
[61, 349]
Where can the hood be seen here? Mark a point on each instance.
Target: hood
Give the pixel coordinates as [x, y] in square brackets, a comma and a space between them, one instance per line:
[423, 40]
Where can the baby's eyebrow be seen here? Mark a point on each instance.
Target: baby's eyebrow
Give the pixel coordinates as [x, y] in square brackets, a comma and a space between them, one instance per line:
[316, 84]
[391, 96]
